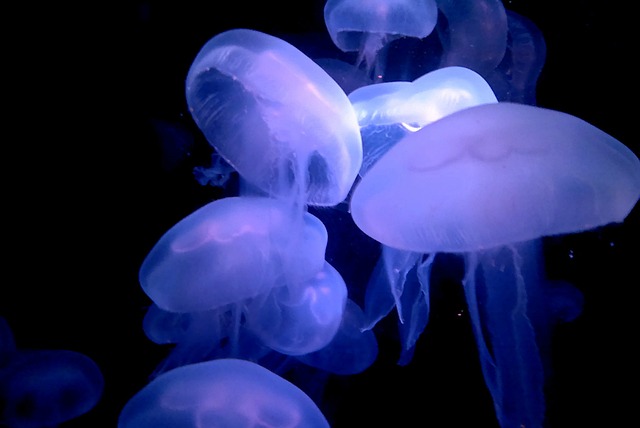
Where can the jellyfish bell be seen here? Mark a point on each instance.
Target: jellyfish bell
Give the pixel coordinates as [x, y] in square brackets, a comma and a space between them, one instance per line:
[230, 250]
[488, 182]
[42, 388]
[275, 116]
[366, 28]
[223, 392]
[388, 111]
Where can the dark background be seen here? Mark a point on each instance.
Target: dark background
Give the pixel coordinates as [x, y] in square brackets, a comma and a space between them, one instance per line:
[89, 94]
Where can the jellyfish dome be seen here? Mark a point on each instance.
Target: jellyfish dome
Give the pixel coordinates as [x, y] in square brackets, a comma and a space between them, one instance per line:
[366, 27]
[230, 250]
[221, 393]
[488, 182]
[44, 388]
[389, 111]
[275, 116]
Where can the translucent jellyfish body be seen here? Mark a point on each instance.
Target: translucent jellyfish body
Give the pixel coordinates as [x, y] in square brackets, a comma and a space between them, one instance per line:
[388, 111]
[275, 116]
[221, 393]
[488, 182]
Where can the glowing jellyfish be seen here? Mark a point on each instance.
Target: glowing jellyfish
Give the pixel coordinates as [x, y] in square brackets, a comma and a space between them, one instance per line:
[221, 393]
[44, 388]
[275, 116]
[241, 277]
[388, 111]
[488, 182]
[366, 27]
[230, 250]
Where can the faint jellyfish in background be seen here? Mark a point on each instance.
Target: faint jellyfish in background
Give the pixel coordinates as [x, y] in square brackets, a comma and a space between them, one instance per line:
[473, 34]
[44, 388]
[389, 111]
[225, 393]
[516, 77]
[276, 117]
[488, 182]
[366, 28]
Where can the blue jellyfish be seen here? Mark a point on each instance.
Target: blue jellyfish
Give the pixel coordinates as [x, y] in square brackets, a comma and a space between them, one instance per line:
[276, 117]
[366, 28]
[225, 393]
[487, 183]
[44, 388]
[388, 111]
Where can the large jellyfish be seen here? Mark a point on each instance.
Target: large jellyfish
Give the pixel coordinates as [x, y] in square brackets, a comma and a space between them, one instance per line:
[368, 27]
[222, 393]
[276, 117]
[488, 183]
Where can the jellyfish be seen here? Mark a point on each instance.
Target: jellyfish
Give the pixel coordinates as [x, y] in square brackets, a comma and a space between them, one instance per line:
[276, 117]
[44, 388]
[388, 111]
[366, 28]
[473, 34]
[488, 183]
[241, 277]
[516, 77]
[222, 392]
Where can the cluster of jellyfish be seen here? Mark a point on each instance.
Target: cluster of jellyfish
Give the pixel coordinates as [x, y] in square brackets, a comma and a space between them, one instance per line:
[444, 152]
[427, 135]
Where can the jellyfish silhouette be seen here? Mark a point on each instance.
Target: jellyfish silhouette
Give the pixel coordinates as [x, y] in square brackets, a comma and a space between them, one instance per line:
[225, 393]
[366, 28]
[276, 117]
[488, 182]
[44, 387]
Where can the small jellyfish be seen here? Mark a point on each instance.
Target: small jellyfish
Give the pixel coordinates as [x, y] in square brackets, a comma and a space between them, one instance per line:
[221, 393]
[366, 28]
[488, 182]
[276, 117]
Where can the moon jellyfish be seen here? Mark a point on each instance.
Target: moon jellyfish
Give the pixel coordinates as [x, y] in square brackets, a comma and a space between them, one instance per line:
[366, 27]
[388, 111]
[229, 250]
[225, 393]
[242, 277]
[488, 182]
[44, 388]
[275, 116]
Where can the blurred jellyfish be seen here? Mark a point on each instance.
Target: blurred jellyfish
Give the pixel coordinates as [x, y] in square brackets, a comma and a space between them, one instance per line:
[487, 183]
[387, 112]
[276, 117]
[473, 34]
[366, 28]
[222, 393]
[516, 77]
[44, 388]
